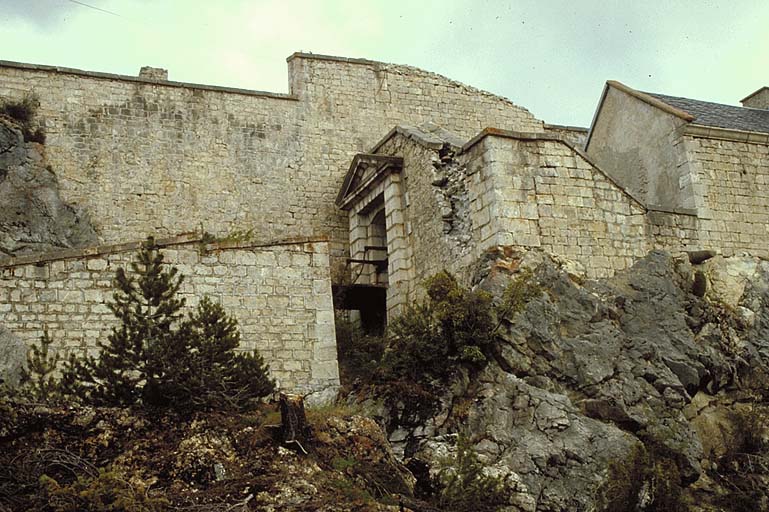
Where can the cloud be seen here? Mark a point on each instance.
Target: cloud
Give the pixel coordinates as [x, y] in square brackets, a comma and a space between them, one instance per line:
[551, 57]
[39, 13]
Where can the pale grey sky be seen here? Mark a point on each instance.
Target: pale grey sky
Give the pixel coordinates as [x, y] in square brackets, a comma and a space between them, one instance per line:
[550, 56]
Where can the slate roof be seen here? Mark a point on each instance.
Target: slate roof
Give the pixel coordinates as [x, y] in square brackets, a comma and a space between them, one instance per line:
[721, 116]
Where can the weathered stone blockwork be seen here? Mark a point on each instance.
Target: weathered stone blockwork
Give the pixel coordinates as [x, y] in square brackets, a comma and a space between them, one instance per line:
[733, 212]
[280, 294]
[148, 156]
[453, 202]
[701, 169]
[734, 178]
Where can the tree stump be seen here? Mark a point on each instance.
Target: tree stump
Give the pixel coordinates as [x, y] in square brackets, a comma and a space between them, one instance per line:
[293, 420]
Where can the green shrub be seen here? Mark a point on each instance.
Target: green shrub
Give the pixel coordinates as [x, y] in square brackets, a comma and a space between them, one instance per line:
[454, 327]
[38, 380]
[359, 354]
[744, 468]
[647, 479]
[156, 358]
[23, 112]
[465, 487]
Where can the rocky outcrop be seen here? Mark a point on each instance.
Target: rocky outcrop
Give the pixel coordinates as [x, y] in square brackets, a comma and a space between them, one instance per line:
[591, 374]
[33, 217]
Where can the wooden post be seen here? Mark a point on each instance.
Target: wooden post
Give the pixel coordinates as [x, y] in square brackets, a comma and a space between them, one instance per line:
[293, 420]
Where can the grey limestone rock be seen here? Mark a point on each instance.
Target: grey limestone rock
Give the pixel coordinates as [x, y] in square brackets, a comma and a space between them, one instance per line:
[13, 356]
[33, 217]
[592, 372]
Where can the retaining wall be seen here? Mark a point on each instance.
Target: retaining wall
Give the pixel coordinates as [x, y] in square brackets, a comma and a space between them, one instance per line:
[279, 292]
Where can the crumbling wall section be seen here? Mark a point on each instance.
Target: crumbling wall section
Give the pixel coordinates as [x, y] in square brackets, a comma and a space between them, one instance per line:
[436, 208]
[280, 293]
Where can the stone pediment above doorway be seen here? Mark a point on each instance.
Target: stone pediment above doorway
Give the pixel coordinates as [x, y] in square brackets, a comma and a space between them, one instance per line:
[366, 171]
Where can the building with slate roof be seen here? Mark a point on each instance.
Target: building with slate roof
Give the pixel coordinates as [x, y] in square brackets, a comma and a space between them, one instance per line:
[701, 169]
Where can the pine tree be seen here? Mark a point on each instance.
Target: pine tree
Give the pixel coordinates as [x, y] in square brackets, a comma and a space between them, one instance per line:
[156, 358]
[222, 376]
[38, 379]
[128, 366]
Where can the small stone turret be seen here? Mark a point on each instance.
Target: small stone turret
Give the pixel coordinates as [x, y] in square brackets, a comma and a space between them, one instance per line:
[151, 73]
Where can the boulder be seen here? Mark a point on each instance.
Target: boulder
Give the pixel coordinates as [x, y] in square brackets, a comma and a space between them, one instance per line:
[13, 357]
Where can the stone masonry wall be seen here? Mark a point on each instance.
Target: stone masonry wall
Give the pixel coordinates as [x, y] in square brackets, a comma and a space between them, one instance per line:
[512, 189]
[675, 232]
[537, 191]
[280, 294]
[733, 216]
[148, 156]
[734, 177]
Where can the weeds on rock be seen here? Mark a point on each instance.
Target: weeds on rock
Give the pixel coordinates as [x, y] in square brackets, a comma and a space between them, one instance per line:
[106, 492]
[466, 488]
[744, 468]
[646, 480]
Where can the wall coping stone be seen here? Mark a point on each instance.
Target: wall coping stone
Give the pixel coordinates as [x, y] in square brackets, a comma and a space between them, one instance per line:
[691, 212]
[566, 127]
[182, 239]
[332, 58]
[127, 78]
[712, 132]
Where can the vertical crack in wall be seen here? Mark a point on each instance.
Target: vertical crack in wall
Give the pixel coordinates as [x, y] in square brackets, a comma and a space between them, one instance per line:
[450, 182]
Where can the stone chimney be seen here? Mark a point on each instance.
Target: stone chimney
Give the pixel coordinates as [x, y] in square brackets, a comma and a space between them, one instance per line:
[151, 73]
[759, 99]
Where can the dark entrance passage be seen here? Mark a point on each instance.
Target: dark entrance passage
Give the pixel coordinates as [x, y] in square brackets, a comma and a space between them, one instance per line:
[369, 300]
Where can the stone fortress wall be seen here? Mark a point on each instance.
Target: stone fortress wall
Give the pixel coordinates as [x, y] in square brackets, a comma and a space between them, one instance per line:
[499, 189]
[732, 213]
[455, 200]
[280, 293]
[145, 156]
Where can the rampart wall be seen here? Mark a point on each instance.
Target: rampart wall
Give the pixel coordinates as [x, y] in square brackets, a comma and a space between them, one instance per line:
[148, 156]
[280, 293]
[734, 178]
[733, 212]
[544, 193]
